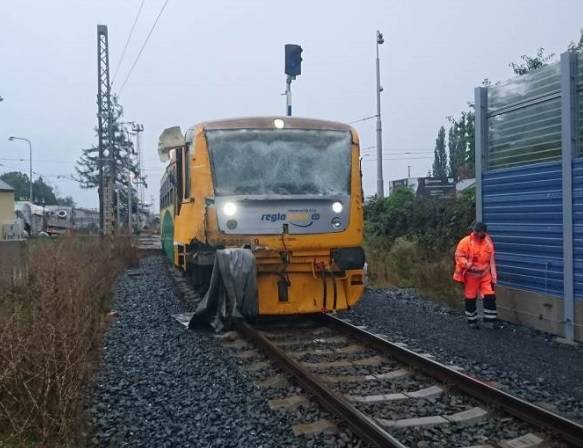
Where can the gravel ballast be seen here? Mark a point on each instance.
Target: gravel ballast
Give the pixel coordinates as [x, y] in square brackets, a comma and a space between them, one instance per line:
[522, 361]
[161, 385]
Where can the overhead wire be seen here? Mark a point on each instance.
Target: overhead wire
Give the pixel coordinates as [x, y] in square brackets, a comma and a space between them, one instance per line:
[142, 47]
[391, 152]
[362, 119]
[127, 41]
[398, 159]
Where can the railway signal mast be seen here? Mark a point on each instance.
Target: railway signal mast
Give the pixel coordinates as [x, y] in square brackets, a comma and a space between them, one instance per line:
[293, 68]
[105, 132]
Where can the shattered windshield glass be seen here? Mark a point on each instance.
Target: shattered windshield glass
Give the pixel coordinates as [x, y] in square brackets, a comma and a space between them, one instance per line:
[280, 161]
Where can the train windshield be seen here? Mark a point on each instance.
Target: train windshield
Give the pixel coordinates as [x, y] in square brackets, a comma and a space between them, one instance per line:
[280, 161]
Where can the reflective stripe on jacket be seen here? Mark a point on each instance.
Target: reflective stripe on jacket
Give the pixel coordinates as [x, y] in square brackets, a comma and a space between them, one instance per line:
[474, 257]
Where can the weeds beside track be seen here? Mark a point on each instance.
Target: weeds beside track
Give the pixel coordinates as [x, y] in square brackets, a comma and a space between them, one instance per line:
[50, 323]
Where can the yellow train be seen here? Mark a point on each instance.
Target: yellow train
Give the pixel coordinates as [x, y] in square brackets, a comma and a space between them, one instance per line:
[289, 189]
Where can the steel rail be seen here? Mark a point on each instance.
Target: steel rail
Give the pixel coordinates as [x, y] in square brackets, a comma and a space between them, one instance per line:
[365, 427]
[563, 428]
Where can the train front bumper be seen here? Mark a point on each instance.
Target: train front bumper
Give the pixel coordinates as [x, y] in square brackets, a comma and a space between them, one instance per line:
[306, 282]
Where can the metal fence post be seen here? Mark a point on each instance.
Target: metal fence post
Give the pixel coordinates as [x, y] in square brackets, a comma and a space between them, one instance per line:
[568, 152]
[481, 147]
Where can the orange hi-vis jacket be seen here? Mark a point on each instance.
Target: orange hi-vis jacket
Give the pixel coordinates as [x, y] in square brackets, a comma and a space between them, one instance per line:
[474, 258]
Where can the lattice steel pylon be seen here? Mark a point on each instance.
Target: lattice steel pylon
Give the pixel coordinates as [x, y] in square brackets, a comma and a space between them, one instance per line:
[105, 132]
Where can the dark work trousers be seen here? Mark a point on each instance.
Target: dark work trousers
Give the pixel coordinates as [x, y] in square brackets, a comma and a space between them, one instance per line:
[490, 313]
[471, 311]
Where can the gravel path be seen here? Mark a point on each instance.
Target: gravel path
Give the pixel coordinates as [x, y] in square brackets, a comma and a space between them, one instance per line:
[526, 362]
[160, 385]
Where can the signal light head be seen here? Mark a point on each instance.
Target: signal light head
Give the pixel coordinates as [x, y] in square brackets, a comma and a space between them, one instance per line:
[293, 59]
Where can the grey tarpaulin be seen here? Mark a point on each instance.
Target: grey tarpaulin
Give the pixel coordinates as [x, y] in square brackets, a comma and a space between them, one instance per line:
[232, 292]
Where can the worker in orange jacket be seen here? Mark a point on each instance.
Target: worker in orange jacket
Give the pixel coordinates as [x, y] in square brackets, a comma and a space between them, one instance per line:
[476, 269]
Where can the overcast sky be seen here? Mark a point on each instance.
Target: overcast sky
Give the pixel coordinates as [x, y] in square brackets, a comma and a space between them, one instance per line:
[224, 58]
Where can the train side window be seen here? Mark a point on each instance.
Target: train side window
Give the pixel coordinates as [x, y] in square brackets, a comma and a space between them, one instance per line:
[187, 172]
[179, 178]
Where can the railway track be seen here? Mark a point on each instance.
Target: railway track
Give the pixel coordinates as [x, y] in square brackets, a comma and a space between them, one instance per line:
[387, 395]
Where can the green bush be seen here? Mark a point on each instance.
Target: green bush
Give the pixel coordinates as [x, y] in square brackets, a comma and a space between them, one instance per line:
[435, 224]
[410, 241]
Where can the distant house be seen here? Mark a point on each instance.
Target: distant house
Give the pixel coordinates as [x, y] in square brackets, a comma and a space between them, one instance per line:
[8, 228]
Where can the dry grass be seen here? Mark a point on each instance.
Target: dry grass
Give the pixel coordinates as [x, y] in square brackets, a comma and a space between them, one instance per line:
[403, 265]
[49, 329]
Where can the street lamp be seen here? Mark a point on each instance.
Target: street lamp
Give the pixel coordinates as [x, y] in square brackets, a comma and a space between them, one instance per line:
[30, 152]
[380, 183]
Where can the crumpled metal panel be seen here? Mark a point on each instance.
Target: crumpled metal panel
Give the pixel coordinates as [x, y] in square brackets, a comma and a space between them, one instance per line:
[522, 207]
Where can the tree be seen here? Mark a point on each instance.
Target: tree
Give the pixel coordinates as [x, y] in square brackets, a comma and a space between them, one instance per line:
[461, 145]
[20, 182]
[119, 163]
[42, 192]
[456, 144]
[440, 155]
[471, 142]
[577, 47]
[532, 63]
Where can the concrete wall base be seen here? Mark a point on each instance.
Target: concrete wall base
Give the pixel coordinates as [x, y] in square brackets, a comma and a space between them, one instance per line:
[536, 310]
[12, 257]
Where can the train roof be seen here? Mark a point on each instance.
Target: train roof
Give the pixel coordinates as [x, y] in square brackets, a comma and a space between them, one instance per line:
[267, 123]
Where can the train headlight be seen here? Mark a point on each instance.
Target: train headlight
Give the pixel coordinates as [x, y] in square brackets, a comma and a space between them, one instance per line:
[336, 222]
[337, 207]
[230, 208]
[278, 123]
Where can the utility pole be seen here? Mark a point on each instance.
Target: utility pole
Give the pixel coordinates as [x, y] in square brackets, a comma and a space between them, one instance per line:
[409, 172]
[130, 228]
[380, 182]
[139, 128]
[105, 132]
[293, 68]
